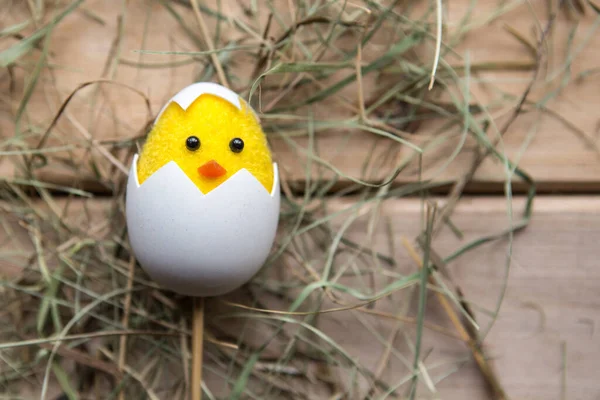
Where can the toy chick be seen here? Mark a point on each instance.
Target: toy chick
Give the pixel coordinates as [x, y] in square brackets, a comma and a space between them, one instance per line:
[203, 196]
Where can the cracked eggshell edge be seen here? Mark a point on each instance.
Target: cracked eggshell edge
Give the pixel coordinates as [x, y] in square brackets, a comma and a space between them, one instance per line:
[186, 96]
[201, 244]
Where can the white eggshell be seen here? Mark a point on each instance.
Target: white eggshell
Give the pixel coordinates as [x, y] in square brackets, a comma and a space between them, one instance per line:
[186, 96]
[200, 244]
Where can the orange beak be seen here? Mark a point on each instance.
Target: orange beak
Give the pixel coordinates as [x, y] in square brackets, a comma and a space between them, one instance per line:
[212, 169]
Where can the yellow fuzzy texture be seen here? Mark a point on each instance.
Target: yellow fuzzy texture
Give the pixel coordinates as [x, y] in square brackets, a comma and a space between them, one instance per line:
[215, 122]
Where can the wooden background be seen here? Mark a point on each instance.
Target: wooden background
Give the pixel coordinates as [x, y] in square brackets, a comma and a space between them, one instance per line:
[545, 342]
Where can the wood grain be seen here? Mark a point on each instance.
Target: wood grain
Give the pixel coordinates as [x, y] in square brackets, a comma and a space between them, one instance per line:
[550, 299]
[550, 304]
[545, 339]
[557, 146]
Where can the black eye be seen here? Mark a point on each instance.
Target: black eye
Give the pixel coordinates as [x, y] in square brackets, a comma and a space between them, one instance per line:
[192, 143]
[236, 145]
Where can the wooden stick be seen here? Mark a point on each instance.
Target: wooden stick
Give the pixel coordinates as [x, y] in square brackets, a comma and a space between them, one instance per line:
[197, 340]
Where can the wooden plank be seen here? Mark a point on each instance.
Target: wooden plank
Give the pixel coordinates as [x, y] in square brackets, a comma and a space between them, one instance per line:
[550, 310]
[558, 156]
[550, 303]
[558, 148]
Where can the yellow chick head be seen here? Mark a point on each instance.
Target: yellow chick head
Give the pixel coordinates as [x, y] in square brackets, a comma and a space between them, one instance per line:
[210, 141]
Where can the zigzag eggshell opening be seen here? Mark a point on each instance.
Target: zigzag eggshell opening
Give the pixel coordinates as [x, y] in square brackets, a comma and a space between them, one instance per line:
[196, 244]
[189, 94]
